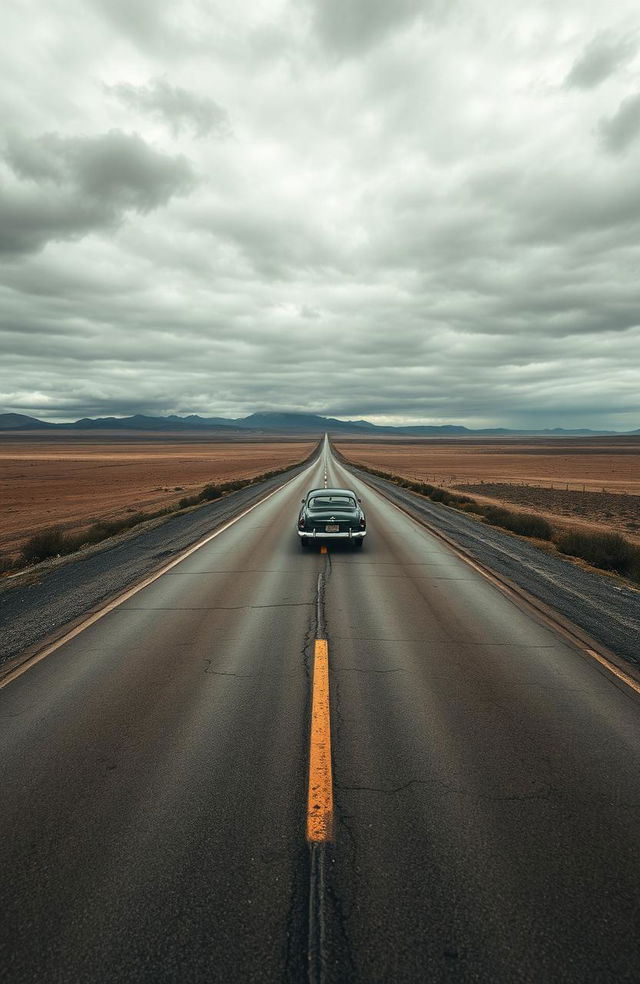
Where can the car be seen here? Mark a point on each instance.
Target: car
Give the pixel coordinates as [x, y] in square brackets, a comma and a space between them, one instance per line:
[332, 514]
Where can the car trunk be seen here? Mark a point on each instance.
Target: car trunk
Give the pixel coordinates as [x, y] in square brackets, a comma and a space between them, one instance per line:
[344, 519]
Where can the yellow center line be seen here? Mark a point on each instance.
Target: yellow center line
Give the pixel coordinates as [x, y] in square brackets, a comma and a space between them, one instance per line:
[320, 796]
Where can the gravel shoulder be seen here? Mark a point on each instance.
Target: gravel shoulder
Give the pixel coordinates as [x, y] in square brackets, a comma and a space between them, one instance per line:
[46, 601]
[599, 605]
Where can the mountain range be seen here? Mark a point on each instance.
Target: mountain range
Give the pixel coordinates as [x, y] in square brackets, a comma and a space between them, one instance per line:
[277, 422]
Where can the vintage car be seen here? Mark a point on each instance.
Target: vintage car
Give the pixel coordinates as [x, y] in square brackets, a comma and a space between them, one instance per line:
[331, 514]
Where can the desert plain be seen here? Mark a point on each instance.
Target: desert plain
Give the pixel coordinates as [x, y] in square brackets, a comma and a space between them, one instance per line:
[74, 479]
[580, 481]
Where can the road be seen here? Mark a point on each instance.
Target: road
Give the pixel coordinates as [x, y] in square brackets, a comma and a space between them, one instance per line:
[486, 776]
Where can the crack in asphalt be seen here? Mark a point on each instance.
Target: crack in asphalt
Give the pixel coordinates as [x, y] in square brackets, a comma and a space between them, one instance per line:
[341, 917]
[542, 795]
[348, 857]
[247, 676]
[323, 577]
[293, 958]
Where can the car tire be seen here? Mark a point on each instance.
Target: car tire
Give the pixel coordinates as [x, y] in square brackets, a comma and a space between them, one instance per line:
[358, 544]
[304, 543]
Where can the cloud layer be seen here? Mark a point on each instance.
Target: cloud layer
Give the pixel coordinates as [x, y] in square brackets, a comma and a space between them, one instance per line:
[422, 212]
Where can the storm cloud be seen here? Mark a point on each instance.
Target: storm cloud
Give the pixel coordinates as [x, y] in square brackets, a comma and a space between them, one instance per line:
[623, 127]
[346, 28]
[419, 212]
[177, 107]
[600, 59]
[69, 186]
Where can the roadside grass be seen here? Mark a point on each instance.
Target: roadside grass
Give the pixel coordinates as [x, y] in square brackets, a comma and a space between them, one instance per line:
[607, 551]
[55, 542]
[526, 524]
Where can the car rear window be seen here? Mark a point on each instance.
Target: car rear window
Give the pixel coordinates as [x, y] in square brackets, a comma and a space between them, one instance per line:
[331, 501]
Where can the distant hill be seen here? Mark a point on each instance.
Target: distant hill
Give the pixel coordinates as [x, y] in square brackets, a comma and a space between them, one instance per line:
[300, 422]
[141, 422]
[193, 420]
[303, 423]
[20, 421]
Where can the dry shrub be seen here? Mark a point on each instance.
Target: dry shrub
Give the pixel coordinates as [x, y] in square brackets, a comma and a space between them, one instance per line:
[233, 486]
[47, 543]
[529, 524]
[526, 524]
[609, 551]
[440, 495]
[189, 500]
[472, 506]
[55, 542]
[496, 515]
[210, 492]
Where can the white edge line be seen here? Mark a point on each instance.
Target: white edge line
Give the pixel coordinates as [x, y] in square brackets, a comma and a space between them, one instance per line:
[13, 674]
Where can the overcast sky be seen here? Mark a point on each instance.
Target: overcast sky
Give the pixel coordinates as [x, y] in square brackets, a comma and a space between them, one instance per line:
[401, 210]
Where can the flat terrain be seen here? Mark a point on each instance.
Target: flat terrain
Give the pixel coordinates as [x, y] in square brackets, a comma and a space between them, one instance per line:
[486, 773]
[583, 480]
[75, 479]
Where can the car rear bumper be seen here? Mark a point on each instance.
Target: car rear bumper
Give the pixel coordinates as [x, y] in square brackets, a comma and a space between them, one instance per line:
[320, 535]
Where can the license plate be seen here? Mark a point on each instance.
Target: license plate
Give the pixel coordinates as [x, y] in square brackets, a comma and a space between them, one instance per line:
[332, 528]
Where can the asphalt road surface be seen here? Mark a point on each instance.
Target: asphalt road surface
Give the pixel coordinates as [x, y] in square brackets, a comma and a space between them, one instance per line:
[154, 769]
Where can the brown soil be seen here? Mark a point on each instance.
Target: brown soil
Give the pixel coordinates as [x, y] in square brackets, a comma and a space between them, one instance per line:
[594, 481]
[74, 480]
[619, 511]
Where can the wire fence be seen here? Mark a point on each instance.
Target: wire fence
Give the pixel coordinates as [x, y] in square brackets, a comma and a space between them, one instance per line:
[548, 484]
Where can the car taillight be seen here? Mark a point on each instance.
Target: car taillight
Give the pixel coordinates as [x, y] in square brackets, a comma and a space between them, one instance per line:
[301, 523]
[363, 522]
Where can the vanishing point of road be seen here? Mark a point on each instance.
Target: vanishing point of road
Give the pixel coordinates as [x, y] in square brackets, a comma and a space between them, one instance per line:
[276, 765]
